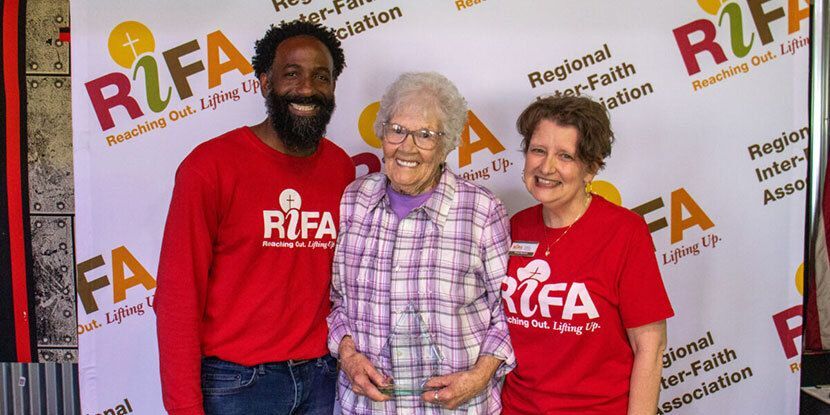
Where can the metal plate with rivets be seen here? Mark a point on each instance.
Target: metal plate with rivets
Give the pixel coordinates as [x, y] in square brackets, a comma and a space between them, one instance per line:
[52, 254]
[50, 145]
[57, 355]
[45, 52]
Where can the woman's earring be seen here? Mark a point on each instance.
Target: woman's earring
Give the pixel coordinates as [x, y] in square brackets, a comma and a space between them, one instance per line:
[588, 188]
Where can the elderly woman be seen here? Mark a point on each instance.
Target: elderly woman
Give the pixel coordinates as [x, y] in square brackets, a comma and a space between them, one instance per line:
[584, 296]
[416, 319]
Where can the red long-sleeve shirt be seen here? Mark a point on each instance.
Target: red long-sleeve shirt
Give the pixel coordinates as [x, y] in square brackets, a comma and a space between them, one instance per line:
[245, 263]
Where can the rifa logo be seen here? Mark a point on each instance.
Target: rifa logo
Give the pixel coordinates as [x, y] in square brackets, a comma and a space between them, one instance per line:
[131, 45]
[789, 323]
[531, 283]
[677, 221]
[466, 148]
[290, 223]
[127, 272]
[700, 36]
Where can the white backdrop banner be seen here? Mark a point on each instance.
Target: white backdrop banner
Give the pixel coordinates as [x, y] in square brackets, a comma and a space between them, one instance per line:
[708, 99]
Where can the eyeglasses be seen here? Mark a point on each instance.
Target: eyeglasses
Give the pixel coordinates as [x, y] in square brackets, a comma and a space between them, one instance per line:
[425, 139]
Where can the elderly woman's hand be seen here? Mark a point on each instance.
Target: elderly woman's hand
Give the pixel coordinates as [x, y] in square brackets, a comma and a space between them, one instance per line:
[453, 390]
[362, 375]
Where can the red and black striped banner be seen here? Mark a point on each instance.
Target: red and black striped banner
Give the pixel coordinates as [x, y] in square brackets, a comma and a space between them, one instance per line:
[16, 293]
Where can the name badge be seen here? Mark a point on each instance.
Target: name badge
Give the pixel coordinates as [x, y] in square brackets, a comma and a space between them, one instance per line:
[523, 248]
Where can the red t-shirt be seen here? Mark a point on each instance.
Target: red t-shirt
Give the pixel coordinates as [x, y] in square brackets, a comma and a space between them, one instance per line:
[568, 312]
[245, 263]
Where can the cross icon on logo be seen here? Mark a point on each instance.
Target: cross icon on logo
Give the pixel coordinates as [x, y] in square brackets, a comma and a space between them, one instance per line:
[128, 40]
[131, 43]
[535, 272]
[290, 199]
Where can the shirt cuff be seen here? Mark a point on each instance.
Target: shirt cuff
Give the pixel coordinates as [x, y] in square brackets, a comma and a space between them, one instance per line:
[500, 348]
[338, 329]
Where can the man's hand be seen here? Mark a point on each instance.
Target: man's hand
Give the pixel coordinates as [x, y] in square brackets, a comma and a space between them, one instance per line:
[453, 390]
[365, 379]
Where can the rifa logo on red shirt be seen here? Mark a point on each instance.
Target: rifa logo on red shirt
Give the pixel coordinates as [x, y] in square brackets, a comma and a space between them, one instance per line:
[529, 280]
[291, 223]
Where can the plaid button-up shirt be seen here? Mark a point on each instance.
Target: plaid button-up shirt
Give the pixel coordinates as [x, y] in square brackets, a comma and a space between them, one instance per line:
[445, 259]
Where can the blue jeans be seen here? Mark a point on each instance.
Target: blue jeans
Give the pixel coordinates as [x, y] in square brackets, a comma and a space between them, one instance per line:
[305, 388]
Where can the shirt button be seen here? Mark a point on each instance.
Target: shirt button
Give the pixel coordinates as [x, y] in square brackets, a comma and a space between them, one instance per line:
[397, 268]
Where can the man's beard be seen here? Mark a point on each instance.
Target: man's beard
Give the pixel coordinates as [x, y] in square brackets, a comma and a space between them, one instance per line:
[299, 134]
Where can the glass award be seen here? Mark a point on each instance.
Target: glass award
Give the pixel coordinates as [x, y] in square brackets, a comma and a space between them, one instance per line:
[413, 355]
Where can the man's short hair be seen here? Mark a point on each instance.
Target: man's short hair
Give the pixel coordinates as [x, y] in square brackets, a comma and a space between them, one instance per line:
[266, 48]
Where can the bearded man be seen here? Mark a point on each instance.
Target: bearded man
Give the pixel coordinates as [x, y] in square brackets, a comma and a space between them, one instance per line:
[245, 263]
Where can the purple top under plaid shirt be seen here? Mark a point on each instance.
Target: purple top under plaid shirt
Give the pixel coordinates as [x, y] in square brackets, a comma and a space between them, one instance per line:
[447, 259]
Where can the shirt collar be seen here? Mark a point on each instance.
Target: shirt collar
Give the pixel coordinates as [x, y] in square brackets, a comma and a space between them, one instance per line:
[437, 207]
